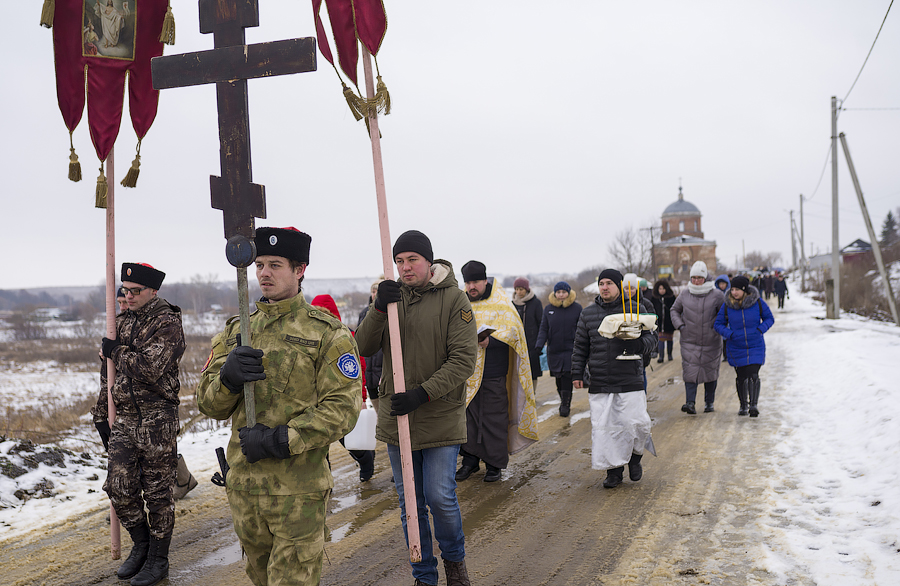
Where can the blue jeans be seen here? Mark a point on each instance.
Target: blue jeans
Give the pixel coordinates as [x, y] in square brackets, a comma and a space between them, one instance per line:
[709, 391]
[434, 470]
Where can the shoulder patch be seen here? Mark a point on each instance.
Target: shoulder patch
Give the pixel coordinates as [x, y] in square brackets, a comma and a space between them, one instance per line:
[348, 365]
[466, 315]
[208, 360]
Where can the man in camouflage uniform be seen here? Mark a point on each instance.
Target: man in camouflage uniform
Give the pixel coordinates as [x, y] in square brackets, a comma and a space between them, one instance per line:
[309, 396]
[146, 351]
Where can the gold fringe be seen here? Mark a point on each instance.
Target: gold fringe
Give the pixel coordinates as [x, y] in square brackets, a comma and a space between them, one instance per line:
[132, 176]
[357, 105]
[382, 100]
[167, 35]
[47, 12]
[74, 165]
[102, 190]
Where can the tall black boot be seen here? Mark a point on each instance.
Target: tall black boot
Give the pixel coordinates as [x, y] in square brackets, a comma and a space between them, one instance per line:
[157, 566]
[140, 537]
[613, 477]
[753, 385]
[635, 470]
[565, 404]
[742, 391]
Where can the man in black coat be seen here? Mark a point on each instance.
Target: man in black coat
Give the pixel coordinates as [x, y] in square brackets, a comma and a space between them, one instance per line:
[616, 386]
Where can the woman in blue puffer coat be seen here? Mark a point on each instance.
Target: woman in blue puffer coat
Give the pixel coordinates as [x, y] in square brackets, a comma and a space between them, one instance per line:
[742, 321]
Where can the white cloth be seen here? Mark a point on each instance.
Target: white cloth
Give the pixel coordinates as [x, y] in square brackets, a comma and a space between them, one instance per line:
[620, 426]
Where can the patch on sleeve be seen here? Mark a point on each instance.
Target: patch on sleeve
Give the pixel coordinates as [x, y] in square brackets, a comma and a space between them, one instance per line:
[208, 360]
[348, 365]
[466, 315]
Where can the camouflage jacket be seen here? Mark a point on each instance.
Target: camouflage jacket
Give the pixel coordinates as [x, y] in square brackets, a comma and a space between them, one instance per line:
[313, 385]
[146, 363]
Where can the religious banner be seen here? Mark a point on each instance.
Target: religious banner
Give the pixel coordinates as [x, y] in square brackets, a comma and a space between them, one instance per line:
[97, 44]
[352, 20]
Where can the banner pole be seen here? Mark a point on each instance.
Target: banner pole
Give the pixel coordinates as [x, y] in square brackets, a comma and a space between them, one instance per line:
[115, 542]
[412, 512]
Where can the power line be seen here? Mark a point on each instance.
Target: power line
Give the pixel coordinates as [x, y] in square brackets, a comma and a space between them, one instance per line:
[825, 166]
[870, 52]
[870, 108]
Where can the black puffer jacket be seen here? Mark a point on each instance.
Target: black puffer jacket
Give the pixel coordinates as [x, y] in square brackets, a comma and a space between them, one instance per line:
[598, 354]
[374, 364]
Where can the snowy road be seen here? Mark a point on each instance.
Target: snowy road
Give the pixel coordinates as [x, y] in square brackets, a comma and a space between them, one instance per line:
[788, 498]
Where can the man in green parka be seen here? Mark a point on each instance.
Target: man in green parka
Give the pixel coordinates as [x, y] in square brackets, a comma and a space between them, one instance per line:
[308, 395]
[439, 346]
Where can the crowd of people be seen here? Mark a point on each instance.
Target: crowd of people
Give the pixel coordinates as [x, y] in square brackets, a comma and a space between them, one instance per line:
[471, 359]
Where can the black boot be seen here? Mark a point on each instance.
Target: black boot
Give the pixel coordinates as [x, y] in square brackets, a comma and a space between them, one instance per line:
[366, 461]
[492, 474]
[157, 566]
[565, 403]
[613, 477]
[635, 470]
[753, 385]
[456, 572]
[689, 408]
[742, 391]
[469, 465]
[140, 537]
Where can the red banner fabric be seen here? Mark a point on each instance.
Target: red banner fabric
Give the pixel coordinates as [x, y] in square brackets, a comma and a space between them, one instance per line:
[351, 20]
[97, 44]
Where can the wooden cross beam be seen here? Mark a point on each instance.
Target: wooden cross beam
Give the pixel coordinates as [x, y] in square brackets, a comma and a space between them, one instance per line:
[229, 66]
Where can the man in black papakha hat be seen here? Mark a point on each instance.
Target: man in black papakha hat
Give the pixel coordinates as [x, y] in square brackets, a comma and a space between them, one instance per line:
[142, 447]
[308, 394]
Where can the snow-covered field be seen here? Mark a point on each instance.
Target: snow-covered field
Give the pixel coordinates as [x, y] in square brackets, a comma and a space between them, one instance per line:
[833, 500]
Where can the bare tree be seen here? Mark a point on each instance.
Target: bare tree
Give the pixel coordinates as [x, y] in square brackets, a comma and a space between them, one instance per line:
[632, 251]
[758, 260]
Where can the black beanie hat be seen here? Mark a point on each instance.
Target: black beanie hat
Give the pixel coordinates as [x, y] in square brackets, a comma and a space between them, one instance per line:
[562, 286]
[288, 242]
[119, 293]
[142, 274]
[414, 241]
[474, 271]
[613, 275]
[740, 282]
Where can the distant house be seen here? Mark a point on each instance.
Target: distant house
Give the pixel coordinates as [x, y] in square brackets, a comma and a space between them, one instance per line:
[858, 251]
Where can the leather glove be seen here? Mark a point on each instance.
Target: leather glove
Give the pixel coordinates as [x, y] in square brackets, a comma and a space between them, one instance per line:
[107, 346]
[243, 364]
[260, 442]
[632, 346]
[104, 431]
[388, 292]
[404, 403]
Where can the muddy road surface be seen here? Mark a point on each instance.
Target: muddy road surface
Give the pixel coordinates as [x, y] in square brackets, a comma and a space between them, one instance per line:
[549, 521]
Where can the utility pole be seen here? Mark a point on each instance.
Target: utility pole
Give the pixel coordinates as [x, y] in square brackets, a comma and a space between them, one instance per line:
[876, 247]
[793, 243]
[835, 305]
[802, 249]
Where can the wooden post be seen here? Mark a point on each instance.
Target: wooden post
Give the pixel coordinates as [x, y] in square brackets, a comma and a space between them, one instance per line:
[409, 483]
[115, 540]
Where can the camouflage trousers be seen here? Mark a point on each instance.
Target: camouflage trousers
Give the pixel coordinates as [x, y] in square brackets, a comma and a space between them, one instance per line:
[283, 536]
[142, 463]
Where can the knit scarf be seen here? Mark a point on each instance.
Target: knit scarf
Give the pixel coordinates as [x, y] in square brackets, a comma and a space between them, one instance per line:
[701, 289]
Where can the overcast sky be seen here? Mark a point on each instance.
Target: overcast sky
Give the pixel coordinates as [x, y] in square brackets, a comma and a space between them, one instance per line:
[524, 134]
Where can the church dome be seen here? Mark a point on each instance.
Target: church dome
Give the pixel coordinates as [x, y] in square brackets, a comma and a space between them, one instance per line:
[681, 207]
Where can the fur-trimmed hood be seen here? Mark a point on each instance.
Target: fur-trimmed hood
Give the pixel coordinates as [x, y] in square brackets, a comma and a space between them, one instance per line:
[748, 300]
[565, 302]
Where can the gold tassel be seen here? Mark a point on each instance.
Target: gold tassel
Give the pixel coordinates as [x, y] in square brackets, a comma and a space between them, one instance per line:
[47, 13]
[382, 101]
[74, 165]
[102, 189]
[132, 176]
[356, 104]
[167, 35]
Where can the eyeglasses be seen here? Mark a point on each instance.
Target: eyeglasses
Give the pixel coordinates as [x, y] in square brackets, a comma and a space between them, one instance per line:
[135, 291]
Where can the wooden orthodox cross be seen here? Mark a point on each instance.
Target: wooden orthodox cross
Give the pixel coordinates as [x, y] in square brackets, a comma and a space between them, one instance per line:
[229, 66]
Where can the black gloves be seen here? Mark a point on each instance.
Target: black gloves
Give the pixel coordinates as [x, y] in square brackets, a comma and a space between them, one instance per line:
[104, 431]
[388, 292]
[243, 364]
[107, 346]
[403, 403]
[632, 346]
[260, 442]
